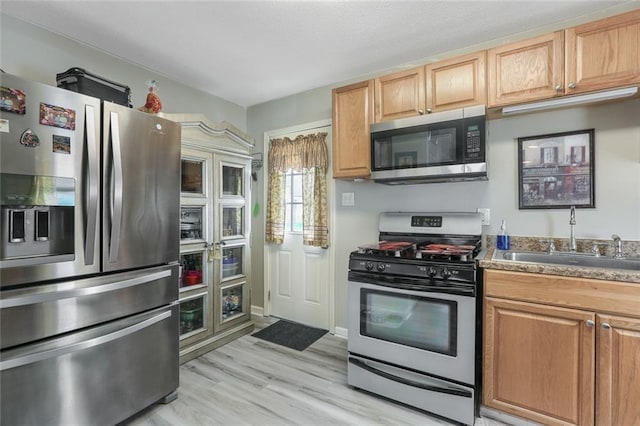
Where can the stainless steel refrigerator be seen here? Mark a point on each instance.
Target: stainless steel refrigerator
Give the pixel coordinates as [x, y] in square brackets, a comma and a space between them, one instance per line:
[90, 196]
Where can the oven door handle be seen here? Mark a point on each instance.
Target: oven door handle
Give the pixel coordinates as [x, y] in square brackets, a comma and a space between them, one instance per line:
[450, 390]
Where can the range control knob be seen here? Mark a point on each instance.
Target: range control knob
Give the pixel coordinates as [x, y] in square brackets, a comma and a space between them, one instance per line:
[432, 271]
[381, 267]
[446, 273]
[368, 266]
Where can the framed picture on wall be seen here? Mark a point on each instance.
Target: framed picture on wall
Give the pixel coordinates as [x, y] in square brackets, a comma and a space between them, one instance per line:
[556, 171]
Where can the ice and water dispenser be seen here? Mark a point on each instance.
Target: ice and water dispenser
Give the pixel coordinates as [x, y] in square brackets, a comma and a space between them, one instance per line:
[37, 217]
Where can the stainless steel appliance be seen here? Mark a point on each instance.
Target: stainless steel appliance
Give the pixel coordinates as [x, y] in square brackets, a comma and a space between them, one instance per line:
[443, 146]
[414, 305]
[89, 200]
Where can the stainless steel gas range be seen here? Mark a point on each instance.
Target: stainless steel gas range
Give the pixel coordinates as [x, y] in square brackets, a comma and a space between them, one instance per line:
[414, 305]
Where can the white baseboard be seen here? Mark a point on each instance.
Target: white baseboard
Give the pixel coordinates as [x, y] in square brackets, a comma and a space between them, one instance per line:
[257, 311]
[341, 332]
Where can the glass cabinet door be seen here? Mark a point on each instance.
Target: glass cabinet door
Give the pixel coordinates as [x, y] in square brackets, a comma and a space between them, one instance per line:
[193, 315]
[232, 222]
[193, 176]
[232, 262]
[192, 222]
[232, 180]
[232, 298]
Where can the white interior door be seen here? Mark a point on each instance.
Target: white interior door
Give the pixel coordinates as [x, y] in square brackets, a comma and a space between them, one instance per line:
[298, 279]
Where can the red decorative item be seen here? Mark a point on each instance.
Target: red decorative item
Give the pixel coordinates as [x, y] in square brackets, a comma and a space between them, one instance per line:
[153, 104]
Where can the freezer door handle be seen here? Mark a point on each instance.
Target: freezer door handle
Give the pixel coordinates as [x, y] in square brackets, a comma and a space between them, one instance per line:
[76, 347]
[450, 389]
[86, 291]
[116, 189]
[93, 183]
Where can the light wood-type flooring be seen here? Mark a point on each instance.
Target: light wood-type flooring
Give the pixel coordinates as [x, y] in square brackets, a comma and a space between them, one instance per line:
[253, 382]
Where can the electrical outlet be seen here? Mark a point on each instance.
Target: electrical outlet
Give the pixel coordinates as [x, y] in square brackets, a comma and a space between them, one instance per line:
[486, 216]
[348, 199]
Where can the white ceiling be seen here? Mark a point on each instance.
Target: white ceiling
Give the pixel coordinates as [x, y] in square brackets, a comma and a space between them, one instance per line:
[250, 52]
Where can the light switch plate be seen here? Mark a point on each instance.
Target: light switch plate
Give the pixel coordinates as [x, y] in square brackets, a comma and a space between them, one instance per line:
[348, 199]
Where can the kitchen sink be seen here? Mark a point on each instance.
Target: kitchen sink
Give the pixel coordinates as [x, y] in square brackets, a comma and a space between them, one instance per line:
[568, 259]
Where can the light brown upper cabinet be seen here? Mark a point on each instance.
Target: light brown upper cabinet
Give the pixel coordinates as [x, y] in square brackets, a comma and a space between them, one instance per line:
[593, 56]
[603, 54]
[352, 116]
[456, 83]
[527, 70]
[399, 95]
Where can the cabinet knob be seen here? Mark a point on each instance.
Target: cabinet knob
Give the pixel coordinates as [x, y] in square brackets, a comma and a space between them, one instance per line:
[606, 325]
[572, 85]
[559, 88]
[590, 323]
[420, 111]
[429, 110]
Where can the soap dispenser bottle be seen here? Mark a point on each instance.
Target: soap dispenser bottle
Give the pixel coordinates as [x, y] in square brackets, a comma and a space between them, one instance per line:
[502, 241]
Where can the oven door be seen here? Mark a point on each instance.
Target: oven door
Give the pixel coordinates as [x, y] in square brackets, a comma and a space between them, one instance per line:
[427, 331]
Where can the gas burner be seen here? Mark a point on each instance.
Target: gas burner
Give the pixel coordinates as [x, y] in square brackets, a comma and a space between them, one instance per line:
[388, 248]
[446, 252]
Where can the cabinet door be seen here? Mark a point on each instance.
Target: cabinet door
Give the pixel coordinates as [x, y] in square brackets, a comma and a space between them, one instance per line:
[352, 116]
[604, 54]
[399, 95]
[527, 70]
[539, 362]
[618, 371]
[457, 82]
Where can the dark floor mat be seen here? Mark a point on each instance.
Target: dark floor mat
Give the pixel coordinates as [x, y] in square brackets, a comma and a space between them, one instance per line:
[290, 334]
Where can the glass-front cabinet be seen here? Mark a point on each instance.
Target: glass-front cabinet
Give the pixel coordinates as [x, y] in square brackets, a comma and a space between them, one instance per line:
[214, 236]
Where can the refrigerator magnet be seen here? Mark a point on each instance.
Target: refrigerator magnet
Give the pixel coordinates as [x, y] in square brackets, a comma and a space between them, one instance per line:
[13, 100]
[29, 138]
[4, 125]
[61, 144]
[56, 116]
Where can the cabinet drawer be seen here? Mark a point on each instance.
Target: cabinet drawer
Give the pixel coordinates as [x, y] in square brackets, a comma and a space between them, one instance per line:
[595, 295]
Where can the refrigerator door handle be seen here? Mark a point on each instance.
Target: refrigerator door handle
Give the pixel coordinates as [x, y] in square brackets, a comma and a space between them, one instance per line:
[94, 180]
[49, 296]
[117, 188]
[75, 347]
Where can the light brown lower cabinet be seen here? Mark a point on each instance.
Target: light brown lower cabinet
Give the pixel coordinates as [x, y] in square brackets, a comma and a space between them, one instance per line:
[559, 365]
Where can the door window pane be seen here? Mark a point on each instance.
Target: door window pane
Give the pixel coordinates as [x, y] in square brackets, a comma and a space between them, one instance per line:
[232, 220]
[191, 223]
[192, 315]
[232, 180]
[192, 176]
[293, 201]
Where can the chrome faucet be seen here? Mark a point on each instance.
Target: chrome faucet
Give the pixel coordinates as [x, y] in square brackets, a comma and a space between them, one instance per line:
[617, 245]
[572, 236]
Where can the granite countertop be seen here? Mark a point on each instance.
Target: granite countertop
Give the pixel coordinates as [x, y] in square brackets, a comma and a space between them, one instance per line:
[533, 244]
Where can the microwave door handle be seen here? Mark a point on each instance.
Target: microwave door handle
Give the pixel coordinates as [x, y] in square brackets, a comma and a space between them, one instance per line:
[116, 183]
[93, 182]
[450, 390]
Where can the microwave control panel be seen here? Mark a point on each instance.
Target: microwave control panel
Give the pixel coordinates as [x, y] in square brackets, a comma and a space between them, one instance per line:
[474, 140]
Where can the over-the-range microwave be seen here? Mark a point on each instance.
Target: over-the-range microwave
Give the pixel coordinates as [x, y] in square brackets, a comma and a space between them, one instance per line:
[438, 147]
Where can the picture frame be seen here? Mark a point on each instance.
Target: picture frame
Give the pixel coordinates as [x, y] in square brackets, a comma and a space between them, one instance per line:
[557, 171]
[405, 160]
